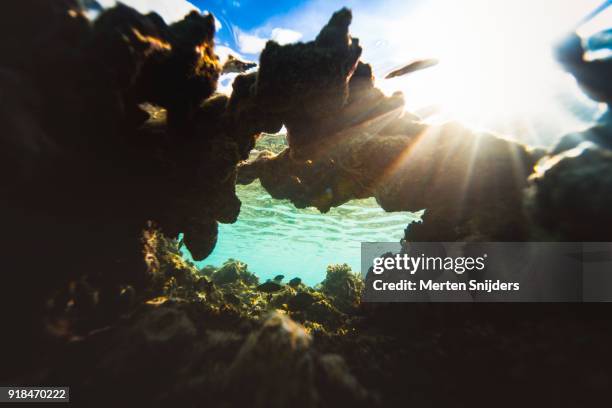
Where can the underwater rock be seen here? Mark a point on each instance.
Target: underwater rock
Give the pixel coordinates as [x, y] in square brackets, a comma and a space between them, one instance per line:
[570, 195]
[23, 136]
[338, 173]
[233, 271]
[308, 81]
[185, 73]
[147, 343]
[600, 135]
[344, 286]
[439, 176]
[593, 76]
[246, 117]
[335, 371]
[324, 313]
[280, 352]
[208, 271]
[201, 238]
[163, 325]
[176, 277]
[295, 282]
[126, 39]
[235, 65]
[82, 178]
[322, 167]
[301, 301]
[430, 168]
[164, 351]
[369, 147]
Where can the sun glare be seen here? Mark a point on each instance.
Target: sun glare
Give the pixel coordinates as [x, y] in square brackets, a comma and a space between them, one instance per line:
[496, 67]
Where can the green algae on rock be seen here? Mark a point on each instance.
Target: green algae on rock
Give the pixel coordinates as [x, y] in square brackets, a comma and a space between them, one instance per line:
[233, 286]
[343, 286]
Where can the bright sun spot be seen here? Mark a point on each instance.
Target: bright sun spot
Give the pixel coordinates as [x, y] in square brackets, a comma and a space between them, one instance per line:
[496, 68]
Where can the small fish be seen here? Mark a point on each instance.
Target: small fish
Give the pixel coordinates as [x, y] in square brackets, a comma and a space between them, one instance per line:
[269, 287]
[413, 67]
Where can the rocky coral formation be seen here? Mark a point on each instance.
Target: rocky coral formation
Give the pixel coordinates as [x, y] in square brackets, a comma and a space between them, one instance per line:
[325, 308]
[592, 75]
[470, 184]
[181, 352]
[570, 195]
[84, 173]
[329, 169]
[344, 286]
[279, 350]
[324, 66]
[205, 333]
[570, 192]
[372, 147]
[194, 341]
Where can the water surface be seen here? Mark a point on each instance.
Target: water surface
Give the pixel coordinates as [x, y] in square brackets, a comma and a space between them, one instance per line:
[275, 238]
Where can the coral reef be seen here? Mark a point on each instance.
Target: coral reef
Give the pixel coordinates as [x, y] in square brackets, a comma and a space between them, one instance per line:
[374, 149]
[473, 186]
[343, 286]
[324, 65]
[211, 331]
[570, 195]
[193, 340]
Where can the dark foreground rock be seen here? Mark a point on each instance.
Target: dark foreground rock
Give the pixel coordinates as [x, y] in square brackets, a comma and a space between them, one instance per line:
[196, 343]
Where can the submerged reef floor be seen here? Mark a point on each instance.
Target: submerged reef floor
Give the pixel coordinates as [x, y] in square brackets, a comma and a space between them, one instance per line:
[220, 337]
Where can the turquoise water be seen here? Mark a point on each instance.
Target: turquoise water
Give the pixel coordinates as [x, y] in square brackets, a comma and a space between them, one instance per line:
[274, 238]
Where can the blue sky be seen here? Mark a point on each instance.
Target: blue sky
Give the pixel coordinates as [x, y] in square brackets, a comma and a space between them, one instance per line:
[247, 24]
[247, 14]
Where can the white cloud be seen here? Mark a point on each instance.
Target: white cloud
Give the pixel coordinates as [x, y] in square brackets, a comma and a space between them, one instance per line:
[218, 25]
[250, 43]
[254, 43]
[224, 86]
[170, 10]
[285, 36]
